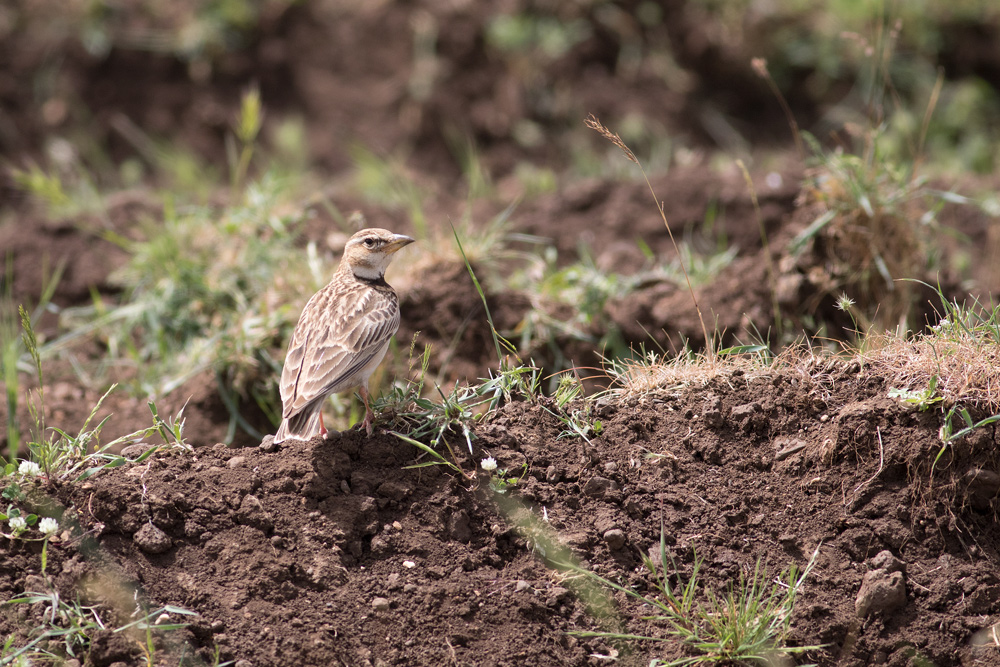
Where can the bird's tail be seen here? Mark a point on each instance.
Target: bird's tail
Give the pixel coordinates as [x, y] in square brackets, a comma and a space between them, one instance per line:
[304, 425]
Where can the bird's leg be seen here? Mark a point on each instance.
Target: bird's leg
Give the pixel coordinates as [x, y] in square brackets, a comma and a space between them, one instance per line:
[367, 423]
[322, 429]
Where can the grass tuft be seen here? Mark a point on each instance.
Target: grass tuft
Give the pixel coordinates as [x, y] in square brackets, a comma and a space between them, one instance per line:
[749, 622]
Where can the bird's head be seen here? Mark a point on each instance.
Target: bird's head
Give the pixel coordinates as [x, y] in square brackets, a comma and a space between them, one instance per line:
[368, 253]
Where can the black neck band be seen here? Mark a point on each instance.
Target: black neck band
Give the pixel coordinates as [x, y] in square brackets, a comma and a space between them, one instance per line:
[374, 282]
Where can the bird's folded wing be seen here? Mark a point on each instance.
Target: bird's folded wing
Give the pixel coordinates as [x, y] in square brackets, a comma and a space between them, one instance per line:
[323, 361]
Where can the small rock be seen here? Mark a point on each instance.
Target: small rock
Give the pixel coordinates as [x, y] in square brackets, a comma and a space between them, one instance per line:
[610, 466]
[393, 490]
[277, 541]
[243, 663]
[345, 488]
[392, 581]
[881, 592]
[745, 410]
[553, 475]
[521, 585]
[615, 539]
[236, 461]
[152, 540]
[268, 445]
[785, 447]
[712, 411]
[884, 560]
[380, 604]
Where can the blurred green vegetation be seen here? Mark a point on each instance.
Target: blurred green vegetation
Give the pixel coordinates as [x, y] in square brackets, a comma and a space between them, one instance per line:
[216, 273]
[819, 54]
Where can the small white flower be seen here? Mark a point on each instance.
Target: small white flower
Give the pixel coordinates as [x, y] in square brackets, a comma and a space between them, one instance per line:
[844, 302]
[17, 524]
[489, 464]
[29, 469]
[48, 525]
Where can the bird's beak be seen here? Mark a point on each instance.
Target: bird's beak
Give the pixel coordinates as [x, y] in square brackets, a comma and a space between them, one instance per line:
[398, 241]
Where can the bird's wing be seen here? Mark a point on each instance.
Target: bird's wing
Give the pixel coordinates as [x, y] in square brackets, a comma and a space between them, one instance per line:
[337, 336]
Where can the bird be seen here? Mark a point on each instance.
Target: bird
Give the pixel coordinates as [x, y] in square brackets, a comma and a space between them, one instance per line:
[341, 336]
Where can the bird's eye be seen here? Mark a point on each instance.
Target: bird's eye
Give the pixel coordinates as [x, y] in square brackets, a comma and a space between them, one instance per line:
[369, 242]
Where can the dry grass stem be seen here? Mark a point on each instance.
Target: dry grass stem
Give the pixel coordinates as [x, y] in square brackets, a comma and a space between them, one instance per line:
[772, 278]
[967, 370]
[760, 67]
[593, 123]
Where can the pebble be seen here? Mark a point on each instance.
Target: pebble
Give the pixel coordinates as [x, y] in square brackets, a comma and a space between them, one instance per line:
[380, 604]
[884, 560]
[243, 663]
[268, 445]
[277, 541]
[236, 461]
[152, 540]
[615, 539]
[881, 592]
[521, 585]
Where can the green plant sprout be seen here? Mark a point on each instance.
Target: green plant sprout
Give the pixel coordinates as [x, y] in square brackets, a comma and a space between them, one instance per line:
[922, 399]
[501, 479]
[747, 623]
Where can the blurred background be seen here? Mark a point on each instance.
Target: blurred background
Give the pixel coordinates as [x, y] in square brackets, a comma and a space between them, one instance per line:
[115, 84]
[180, 176]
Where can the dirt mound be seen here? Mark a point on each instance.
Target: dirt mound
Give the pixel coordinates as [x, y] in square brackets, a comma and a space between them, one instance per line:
[333, 551]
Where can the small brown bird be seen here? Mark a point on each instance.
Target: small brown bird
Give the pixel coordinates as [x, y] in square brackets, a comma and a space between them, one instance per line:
[342, 335]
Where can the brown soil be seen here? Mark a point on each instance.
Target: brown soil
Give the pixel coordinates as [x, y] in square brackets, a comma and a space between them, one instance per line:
[335, 552]
[285, 554]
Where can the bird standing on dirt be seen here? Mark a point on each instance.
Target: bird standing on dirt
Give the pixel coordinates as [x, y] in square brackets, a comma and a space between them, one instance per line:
[342, 335]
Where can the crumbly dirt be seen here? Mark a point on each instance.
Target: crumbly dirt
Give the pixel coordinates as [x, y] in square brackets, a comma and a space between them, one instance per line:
[335, 552]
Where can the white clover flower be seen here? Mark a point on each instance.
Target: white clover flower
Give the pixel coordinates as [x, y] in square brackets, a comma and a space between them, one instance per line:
[489, 464]
[29, 469]
[17, 524]
[48, 525]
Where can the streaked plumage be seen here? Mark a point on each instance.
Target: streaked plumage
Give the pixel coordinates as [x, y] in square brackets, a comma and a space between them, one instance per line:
[341, 336]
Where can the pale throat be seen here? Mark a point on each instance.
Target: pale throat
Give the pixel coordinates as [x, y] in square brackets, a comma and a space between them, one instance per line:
[368, 272]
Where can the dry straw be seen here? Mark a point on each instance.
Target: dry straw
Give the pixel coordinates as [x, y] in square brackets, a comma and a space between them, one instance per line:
[593, 123]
